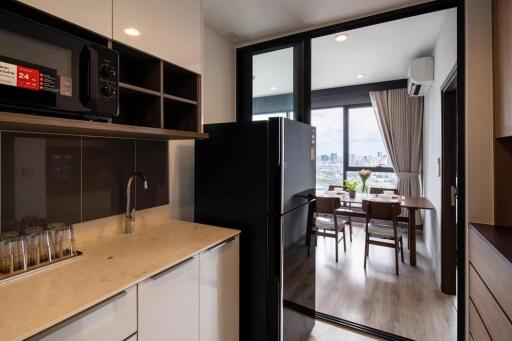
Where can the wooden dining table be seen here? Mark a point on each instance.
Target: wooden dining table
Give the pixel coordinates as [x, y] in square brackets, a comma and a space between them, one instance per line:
[411, 204]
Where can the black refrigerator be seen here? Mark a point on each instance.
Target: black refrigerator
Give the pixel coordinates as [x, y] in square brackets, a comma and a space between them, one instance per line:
[255, 177]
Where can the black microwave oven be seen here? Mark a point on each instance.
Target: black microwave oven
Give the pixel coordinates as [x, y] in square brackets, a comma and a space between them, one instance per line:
[47, 71]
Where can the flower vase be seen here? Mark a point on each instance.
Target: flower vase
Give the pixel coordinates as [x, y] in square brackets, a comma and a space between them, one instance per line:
[364, 189]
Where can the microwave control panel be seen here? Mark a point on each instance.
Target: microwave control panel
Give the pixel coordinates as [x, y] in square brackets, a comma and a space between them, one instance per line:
[108, 82]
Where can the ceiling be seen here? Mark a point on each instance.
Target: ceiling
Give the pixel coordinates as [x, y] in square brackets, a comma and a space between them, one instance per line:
[244, 21]
[380, 52]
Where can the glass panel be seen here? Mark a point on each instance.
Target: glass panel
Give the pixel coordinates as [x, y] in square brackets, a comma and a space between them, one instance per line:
[107, 165]
[378, 179]
[41, 178]
[264, 117]
[26, 49]
[272, 84]
[329, 147]
[366, 148]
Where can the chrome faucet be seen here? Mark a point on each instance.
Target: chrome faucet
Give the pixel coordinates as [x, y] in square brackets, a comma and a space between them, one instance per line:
[130, 213]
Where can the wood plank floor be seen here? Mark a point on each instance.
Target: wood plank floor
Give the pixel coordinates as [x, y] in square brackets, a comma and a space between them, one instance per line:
[409, 305]
[326, 332]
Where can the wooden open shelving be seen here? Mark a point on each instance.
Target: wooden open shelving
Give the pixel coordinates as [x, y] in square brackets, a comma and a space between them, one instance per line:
[53, 125]
[156, 94]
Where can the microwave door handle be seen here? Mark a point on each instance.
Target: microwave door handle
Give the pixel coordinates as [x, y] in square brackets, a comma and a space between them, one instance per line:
[88, 78]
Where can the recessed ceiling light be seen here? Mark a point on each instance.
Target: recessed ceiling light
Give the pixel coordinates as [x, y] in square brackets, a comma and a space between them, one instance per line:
[341, 37]
[274, 88]
[360, 75]
[131, 31]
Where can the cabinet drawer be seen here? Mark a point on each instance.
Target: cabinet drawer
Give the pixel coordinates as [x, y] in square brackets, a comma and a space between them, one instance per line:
[476, 326]
[113, 320]
[494, 270]
[492, 315]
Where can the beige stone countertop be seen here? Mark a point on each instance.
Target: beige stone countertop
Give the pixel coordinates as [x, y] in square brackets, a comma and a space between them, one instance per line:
[111, 262]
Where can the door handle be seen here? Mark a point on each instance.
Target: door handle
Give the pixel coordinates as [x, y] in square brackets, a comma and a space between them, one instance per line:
[172, 268]
[221, 244]
[453, 195]
[77, 317]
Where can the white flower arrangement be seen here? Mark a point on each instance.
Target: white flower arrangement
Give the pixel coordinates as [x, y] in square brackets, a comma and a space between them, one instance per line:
[364, 174]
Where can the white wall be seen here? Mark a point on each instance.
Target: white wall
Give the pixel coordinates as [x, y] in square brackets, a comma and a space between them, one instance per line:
[218, 100]
[218, 79]
[445, 58]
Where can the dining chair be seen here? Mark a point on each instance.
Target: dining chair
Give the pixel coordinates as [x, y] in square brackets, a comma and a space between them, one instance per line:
[380, 190]
[402, 217]
[327, 220]
[385, 213]
[347, 211]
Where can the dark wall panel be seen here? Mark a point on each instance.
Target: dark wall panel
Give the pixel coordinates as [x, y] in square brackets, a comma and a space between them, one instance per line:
[152, 161]
[61, 178]
[41, 177]
[107, 165]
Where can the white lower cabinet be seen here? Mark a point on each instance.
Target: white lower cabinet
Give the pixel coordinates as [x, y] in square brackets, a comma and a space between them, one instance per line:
[169, 304]
[219, 268]
[195, 300]
[113, 319]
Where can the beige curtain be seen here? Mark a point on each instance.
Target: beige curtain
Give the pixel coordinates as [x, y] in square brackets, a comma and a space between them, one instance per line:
[400, 119]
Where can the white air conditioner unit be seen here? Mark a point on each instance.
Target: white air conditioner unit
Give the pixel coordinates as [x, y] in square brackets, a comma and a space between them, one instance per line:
[420, 76]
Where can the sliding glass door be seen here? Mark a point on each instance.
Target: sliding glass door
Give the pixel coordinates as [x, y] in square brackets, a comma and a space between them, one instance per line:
[335, 73]
[272, 84]
[271, 81]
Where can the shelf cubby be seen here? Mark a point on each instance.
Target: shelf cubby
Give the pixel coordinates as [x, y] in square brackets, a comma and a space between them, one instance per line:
[138, 68]
[139, 108]
[181, 83]
[180, 115]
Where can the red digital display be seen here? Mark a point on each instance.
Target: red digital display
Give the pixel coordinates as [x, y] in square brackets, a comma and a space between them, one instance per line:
[27, 78]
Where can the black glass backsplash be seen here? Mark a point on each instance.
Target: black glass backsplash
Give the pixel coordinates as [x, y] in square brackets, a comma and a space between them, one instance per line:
[152, 161]
[70, 179]
[106, 164]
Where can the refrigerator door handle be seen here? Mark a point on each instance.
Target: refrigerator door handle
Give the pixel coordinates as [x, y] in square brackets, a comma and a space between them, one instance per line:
[280, 278]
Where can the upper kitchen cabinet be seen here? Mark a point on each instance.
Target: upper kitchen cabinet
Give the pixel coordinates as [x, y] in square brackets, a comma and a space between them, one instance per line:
[94, 15]
[502, 51]
[168, 29]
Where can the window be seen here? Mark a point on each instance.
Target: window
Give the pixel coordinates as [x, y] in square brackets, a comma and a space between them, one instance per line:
[329, 146]
[349, 139]
[365, 145]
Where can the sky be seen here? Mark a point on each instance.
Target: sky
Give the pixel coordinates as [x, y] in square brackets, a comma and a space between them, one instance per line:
[365, 138]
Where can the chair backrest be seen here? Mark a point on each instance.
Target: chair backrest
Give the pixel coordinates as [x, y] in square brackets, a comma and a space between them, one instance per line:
[327, 205]
[333, 187]
[381, 210]
[380, 190]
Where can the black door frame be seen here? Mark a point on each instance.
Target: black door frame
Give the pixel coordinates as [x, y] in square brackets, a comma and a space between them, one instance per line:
[302, 75]
[449, 167]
